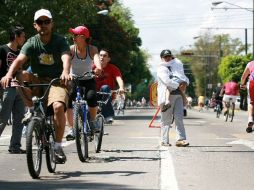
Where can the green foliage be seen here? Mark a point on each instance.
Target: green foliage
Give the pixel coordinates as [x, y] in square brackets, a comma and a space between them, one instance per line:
[208, 51]
[233, 67]
[115, 31]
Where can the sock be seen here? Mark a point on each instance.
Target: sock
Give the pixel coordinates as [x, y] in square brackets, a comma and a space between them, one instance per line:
[57, 145]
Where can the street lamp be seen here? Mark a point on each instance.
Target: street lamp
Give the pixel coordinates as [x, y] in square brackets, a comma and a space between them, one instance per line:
[215, 3]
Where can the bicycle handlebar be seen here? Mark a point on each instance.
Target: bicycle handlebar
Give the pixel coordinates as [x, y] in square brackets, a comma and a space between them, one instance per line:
[16, 83]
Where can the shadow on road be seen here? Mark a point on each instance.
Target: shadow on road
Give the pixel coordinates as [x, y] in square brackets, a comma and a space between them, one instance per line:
[71, 184]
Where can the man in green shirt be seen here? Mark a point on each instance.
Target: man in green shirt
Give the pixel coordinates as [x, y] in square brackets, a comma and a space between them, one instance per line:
[49, 57]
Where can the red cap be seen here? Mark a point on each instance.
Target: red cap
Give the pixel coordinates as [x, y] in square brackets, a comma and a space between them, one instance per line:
[80, 30]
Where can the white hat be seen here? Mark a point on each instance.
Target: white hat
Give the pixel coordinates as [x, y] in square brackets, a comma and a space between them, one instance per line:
[42, 12]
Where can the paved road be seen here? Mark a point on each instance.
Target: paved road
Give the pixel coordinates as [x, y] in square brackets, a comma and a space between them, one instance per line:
[220, 157]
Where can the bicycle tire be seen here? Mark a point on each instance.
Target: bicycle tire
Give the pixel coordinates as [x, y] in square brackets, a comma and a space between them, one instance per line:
[49, 149]
[98, 136]
[227, 115]
[33, 138]
[218, 111]
[232, 114]
[81, 135]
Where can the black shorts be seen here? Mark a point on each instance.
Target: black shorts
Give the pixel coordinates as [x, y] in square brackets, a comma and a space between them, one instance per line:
[88, 89]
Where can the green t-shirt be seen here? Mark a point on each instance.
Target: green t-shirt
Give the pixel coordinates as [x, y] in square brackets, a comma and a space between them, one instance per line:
[45, 59]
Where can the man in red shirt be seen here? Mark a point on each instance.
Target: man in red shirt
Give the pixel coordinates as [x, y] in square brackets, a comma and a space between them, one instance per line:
[107, 81]
[230, 91]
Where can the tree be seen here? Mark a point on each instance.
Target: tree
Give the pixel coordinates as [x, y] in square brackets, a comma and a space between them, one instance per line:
[207, 53]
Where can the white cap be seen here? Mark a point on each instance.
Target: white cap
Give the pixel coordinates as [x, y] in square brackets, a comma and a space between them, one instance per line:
[42, 12]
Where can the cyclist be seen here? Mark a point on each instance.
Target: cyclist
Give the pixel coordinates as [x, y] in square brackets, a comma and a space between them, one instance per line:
[230, 91]
[249, 71]
[106, 82]
[201, 102]
[83, 56]
[49, 56]
[11, 100]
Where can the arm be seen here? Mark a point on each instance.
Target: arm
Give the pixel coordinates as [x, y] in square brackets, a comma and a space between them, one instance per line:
[17, 63]
[120, 84]
[96, 60]
[245, 75]
[163, 75]
[66, 59]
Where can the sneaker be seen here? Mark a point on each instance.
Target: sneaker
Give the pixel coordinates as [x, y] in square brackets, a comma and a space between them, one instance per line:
[165, 144]
[109, 120]
[60, 156]
[17, 151]
[70, 135]
[182, 143]
[95, 126]
[249, 129]
[27, 117]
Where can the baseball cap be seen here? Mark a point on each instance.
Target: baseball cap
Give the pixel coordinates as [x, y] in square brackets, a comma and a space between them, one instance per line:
[80, 30]
[42, 12]
[165, 52]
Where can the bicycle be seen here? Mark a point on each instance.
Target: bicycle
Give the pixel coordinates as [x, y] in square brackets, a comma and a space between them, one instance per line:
[40, 133]
[83, 132]
[230, 110]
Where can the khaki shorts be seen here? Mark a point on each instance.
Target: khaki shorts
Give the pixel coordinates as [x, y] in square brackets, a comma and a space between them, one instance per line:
[57, 93]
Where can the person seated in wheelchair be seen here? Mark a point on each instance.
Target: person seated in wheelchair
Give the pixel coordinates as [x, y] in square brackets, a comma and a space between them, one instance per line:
[230, 92]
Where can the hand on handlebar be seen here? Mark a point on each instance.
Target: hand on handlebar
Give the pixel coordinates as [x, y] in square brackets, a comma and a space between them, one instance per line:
[65, 77]
[5, 81]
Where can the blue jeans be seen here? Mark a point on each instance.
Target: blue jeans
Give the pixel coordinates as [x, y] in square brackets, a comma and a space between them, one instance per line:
[12, 102]
[107, 109]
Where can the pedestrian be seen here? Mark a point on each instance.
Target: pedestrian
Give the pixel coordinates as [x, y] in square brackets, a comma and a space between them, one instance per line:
[83, 55]
[171, 66]
[106, 82]
[11, 100]
[48, 54]
[249, 71]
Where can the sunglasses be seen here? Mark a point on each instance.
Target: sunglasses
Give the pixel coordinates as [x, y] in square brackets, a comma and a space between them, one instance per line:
[41, 22]
[77, 35]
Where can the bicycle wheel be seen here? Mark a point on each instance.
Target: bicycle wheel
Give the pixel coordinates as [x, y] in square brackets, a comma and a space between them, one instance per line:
[49, 149]
[81, 135]
[226, 115]
[232, 114]
[98, 136]
[34, 148]
[218, 111]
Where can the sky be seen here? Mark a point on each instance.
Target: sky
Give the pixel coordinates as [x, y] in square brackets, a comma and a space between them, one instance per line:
[173, 24]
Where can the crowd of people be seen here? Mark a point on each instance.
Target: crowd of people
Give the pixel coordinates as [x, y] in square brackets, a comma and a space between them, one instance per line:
[49, 56]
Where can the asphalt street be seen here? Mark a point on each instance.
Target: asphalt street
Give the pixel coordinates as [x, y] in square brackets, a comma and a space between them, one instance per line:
[220, 156]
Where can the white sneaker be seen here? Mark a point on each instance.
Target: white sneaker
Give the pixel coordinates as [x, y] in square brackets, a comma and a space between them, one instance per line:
[109, 119]
[70, 135]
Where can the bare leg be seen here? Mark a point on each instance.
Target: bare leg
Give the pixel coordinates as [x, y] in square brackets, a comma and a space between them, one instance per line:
[93, 112]
[59, 120]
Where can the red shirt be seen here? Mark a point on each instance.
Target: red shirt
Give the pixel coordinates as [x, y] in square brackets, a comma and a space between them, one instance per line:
[108, 76]
[231, 88]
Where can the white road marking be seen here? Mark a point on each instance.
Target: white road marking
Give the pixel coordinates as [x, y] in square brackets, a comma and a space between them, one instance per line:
[168, 178]
[247, 143]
